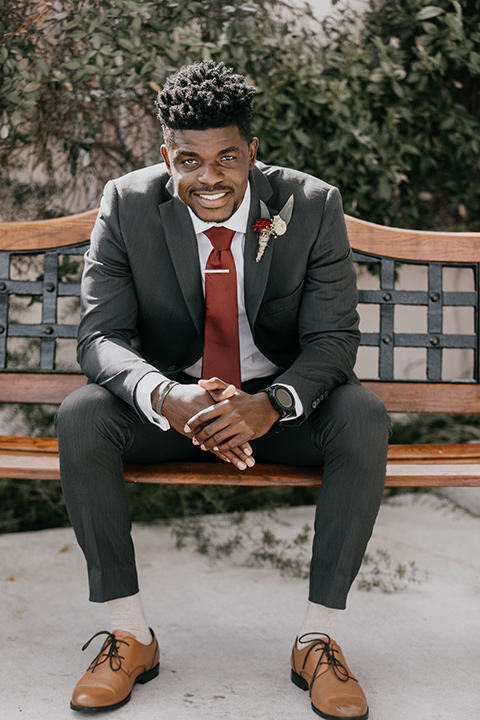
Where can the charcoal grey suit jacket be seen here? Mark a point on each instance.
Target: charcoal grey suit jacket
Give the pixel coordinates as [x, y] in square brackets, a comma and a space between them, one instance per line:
[142, 298]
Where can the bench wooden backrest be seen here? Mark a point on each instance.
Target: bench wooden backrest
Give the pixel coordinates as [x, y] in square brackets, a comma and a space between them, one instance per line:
[379, 246]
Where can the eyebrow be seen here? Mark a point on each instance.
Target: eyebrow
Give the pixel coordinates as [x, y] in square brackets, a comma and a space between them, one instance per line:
[190, 153]
[233, 148]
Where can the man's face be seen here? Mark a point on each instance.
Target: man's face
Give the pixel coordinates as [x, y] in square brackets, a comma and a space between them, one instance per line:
[210, 169]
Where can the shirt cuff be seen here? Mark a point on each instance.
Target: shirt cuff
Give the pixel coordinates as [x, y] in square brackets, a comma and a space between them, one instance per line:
[298, 410]
[143, 398]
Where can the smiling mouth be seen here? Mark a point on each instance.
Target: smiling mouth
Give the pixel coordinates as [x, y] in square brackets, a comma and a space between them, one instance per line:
[212, 200]
[216, 196]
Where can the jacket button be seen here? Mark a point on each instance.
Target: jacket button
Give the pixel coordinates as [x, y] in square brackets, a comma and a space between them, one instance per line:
[171, 368]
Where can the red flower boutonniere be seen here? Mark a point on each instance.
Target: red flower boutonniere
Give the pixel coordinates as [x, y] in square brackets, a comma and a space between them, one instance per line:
[273, 227]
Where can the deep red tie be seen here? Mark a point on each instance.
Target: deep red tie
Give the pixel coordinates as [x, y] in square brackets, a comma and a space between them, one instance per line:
[221, 351]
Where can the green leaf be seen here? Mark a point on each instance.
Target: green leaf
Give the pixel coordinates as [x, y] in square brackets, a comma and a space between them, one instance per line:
[31, 87]
[16, 118]
[97, 41]
[78, 34]
[126, 43]
[43, 67]
[384, 188]
[474, 62]
[72, 64]
[137, 24]
[302, 137]
[429, 12]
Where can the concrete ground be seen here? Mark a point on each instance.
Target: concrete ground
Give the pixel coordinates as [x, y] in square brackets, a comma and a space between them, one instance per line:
[226, 630]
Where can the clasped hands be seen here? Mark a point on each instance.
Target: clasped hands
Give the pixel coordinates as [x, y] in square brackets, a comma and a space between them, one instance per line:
[225, 427]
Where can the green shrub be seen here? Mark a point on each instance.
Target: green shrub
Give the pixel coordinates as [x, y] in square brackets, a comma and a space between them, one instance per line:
[384, 105]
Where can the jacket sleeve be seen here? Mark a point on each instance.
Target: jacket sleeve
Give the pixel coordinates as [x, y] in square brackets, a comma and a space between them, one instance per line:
[108, 325]
[328, 319]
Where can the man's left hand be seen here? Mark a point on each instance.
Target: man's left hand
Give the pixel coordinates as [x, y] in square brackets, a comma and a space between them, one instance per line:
[231, 422]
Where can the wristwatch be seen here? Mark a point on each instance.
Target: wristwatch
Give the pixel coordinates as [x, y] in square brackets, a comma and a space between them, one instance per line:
[281, 399]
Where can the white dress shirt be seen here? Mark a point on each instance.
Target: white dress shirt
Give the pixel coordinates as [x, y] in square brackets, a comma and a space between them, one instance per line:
[253, 363]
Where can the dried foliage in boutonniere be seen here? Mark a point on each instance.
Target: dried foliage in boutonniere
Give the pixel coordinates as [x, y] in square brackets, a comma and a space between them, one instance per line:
[274, 227]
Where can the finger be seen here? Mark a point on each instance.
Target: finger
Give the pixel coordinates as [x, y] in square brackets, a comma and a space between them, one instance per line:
[229, 392]
[213, 383]
[231, 458]
[243, 451]
[240, 453]
[204, 417]
[240, 462]
[230, 443]
[217, 431]
[218, 389]
[225, 439]
[246, 449]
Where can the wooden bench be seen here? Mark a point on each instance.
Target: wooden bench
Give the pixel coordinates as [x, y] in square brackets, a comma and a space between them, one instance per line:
[43, 246]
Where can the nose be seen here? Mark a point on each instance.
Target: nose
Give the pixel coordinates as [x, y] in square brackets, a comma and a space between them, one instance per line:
[211, 174]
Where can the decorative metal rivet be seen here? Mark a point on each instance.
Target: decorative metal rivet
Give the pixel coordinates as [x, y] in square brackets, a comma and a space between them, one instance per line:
[434, 340]
[50, 287]
[387, 339]
[387, 297]
[3, 286]
[48, 330]
[435, 297]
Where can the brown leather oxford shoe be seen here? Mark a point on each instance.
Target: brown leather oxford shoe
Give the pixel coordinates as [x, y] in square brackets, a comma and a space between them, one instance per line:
[321, 668]
[121, 663]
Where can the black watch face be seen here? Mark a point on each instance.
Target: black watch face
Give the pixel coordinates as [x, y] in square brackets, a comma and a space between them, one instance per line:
[284, 398]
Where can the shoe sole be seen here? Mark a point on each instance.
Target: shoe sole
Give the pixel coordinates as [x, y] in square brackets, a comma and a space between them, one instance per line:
[300, 682]
[142, 679]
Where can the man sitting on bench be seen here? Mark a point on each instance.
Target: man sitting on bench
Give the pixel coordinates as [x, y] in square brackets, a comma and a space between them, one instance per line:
[219, 319]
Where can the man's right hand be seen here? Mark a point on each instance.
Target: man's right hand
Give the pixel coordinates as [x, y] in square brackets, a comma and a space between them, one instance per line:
[184, 401]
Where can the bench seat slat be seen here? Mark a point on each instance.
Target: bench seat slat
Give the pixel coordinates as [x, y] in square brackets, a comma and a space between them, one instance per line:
[25, 445]
[48, 388]
[419, 397]
[408, 466]
[435, 453]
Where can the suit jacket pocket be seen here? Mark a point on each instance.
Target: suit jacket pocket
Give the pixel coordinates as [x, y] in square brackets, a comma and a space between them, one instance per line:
[282, 304]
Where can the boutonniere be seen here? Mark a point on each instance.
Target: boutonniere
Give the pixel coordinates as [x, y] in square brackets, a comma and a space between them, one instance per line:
[271, 227]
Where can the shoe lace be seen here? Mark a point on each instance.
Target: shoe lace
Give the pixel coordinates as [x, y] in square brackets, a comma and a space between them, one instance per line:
[108, 651]
[327, 656]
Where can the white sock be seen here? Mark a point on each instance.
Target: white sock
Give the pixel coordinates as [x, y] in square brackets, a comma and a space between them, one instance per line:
[127, 614]
[319, 620]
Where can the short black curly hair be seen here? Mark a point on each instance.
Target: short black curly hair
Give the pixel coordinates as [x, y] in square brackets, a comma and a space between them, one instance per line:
[205, 95]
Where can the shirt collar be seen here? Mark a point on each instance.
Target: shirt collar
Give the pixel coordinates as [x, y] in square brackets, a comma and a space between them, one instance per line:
[237, 222]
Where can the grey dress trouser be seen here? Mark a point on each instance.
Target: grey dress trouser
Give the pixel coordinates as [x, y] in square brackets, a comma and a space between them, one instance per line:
[347, 434]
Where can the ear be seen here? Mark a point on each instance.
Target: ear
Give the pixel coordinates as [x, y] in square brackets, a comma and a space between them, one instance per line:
[166, 158]
[252, 152]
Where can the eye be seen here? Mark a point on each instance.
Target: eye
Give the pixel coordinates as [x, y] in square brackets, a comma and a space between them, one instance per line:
[190, 162]
[227, 158]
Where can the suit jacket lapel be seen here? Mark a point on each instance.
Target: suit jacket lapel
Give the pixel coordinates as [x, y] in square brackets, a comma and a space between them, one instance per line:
[256, 274]
[182, 244]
